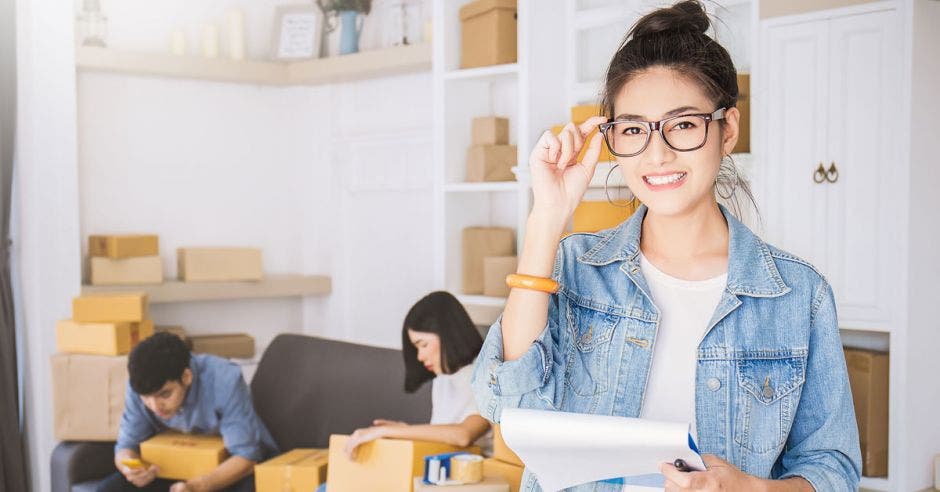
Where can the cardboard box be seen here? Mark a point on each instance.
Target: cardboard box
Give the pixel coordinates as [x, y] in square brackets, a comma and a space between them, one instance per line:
[478, 243]
[488, 33]
[744, 107]
[487, 163]
[490, 130]
[126, 271]
[605, 155]
[100, 338]
[388, 465]
[495, 269]
[511, 473]
[87, 396]
[235, 345]
[183, 456]
[123, 246]
[489, 484]
[501, 451]
[297, 470]
[592, 216]
[94, 308]
[584, 112]
[219, 264]
[868, 376]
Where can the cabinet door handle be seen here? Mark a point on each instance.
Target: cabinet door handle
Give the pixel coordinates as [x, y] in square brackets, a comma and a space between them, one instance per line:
[820, 175]
[832, 175]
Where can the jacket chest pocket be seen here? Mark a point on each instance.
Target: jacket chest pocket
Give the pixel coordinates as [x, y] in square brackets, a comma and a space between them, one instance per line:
[590, 331]
[767, 396]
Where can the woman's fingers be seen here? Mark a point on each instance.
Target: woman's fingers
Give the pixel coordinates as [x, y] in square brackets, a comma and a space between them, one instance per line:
[547, 148]
[567, 147]
[592, 153]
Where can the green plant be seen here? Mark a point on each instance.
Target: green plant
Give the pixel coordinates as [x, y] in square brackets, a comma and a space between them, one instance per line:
[363, 6]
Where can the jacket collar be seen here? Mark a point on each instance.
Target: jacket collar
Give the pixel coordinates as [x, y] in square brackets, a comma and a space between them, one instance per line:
[751, 269]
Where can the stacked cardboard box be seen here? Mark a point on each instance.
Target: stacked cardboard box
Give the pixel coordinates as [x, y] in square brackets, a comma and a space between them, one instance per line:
[89, 374]
[495, 270]
[480, 243]
[488, 33]
[868, 377]
[389, 465]
[490, 157]
[233, 346]
[504, 463]
[124, 260]
[300, 469]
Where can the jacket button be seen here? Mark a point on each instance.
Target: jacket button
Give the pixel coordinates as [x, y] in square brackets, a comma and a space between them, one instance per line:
[713, 384]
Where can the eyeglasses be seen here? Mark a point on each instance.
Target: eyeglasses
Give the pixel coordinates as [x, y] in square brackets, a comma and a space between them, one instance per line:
[684, 133]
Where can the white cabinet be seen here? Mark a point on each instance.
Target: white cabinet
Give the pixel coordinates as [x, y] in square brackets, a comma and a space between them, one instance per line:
[831, 91]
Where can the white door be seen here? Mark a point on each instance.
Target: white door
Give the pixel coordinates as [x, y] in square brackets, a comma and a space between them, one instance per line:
[864, 93]
[794, 95]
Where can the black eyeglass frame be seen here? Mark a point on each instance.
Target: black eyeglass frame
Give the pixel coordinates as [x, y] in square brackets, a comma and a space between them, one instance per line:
[657, 126]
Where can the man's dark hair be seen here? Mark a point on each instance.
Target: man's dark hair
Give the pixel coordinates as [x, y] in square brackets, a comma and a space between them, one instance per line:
[442, 314]
[156, 361]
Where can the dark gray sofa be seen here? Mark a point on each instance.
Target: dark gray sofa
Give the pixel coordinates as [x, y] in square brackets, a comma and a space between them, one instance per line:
[305, 389]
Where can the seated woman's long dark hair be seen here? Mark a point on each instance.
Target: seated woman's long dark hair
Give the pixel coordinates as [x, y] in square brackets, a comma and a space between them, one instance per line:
[442, 314]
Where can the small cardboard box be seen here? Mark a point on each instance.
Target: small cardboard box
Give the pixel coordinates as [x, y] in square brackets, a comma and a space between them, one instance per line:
[592, 216]
[300, 469]
[389, 465]
[511, 473]
[235, 345]
[94, 308]
[100, 338]
[487, 163]
[219, 264]
[87, 396]
[478, 243]
[183, 456]
[488, 33]
[584, 112]
[489, 484]
[123, 246]
[604, 156]
[744, 107]
[490, 130]
[495, 270]
[126, 271]
[868, 376]
[501, 451]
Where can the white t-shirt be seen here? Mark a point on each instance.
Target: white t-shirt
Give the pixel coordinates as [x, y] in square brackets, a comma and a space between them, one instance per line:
[452, 402]
[686, 307]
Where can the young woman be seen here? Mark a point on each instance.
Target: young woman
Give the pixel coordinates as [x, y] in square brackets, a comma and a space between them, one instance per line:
[439, 343]
[681, 313]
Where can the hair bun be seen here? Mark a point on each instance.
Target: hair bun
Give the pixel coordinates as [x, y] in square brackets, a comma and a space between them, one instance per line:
[686, 16]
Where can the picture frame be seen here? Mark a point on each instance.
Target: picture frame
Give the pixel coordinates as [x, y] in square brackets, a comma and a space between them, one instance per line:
[296, 33]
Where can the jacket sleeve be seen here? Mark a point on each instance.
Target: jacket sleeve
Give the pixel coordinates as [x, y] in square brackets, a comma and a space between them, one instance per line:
[823, 445]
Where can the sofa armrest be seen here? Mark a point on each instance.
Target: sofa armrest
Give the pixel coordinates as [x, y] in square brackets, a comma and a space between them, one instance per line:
[80, 461]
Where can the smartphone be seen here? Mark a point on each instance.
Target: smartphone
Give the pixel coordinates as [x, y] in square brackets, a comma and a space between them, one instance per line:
[133, 463]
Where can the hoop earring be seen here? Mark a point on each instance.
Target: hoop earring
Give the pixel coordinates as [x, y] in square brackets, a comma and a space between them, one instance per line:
[727, 179]
[629, 203]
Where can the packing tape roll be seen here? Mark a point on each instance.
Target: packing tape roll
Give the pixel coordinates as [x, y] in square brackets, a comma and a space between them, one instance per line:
[466, 468]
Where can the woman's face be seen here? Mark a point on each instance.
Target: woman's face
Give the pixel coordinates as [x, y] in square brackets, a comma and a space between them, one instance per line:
[429, 349]
[670, 182]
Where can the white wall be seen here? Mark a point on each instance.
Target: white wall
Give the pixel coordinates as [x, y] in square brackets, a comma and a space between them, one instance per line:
[330, 180]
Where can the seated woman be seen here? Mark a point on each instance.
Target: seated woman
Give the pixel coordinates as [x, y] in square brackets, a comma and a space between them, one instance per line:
[439, 343]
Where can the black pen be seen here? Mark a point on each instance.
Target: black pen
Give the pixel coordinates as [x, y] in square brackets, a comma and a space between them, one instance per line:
[681, 466]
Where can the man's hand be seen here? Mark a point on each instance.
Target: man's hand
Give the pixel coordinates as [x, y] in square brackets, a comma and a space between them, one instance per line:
[140, 477]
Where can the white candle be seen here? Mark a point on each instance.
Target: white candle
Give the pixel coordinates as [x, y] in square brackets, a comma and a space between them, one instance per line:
[210, 41]
[178, 42]
[235, 22]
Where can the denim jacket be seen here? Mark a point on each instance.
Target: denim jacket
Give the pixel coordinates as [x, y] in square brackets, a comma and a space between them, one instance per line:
[772, 394]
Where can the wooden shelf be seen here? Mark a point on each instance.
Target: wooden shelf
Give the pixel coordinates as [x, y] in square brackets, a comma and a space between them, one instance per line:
[358, 66]
[483, 73]
[273, 286]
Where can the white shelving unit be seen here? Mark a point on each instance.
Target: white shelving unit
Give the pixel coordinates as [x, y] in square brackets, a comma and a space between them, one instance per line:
[529, 92]
[363, 65]
[271, 286]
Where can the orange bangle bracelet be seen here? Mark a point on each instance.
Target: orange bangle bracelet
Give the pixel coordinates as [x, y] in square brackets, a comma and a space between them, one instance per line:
[541, 284]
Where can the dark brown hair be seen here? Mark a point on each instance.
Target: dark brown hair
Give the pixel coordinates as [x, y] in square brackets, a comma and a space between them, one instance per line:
[442, 314]
[675, 38]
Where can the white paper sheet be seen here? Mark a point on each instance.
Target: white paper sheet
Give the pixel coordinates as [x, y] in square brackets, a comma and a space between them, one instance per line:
[566, 449]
